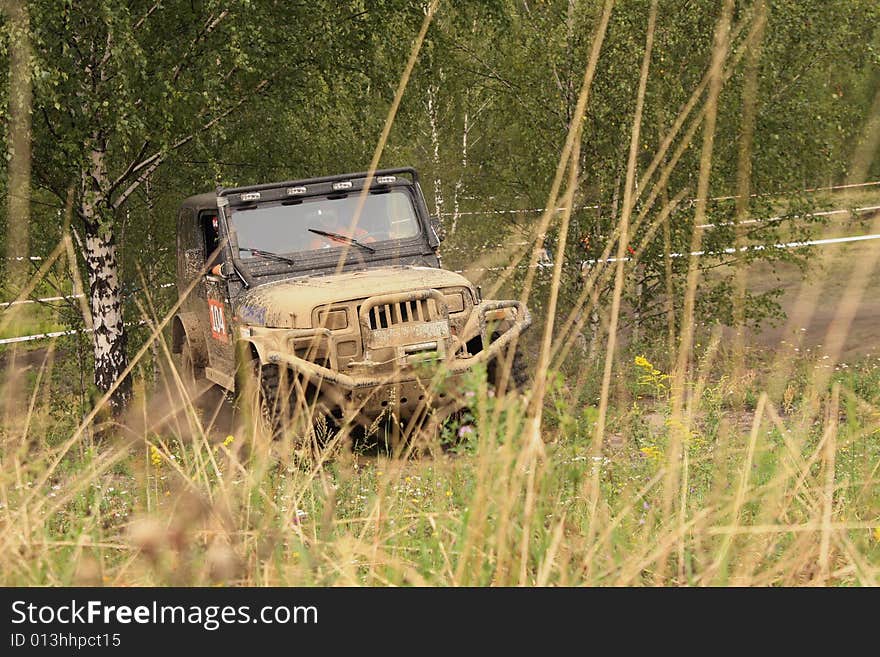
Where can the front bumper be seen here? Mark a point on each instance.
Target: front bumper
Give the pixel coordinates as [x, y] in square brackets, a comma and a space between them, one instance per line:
[449, 366]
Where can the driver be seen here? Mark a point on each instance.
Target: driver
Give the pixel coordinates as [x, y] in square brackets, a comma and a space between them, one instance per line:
[328, 221]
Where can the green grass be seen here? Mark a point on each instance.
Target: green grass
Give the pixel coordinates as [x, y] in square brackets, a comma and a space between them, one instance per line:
[174, 508]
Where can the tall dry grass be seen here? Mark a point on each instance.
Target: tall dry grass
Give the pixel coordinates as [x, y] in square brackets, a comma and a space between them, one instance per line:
[736, 467]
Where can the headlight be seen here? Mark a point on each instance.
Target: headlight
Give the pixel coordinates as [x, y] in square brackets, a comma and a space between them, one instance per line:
[454, 302]
[333, 319]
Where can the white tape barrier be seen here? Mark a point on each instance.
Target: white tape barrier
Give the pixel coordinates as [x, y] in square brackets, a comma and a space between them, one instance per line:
[810, 190]
[527, 211]
[57, 334]
[161, 249]
[6, 304]
[759, 247]
[713, 198]
[825, 213]
[40, 336]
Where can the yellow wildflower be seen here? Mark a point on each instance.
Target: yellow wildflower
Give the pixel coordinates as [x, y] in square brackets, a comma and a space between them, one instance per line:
[228, 440]
[877, 534]
[155, 456]
[651, 376]
[652, 452]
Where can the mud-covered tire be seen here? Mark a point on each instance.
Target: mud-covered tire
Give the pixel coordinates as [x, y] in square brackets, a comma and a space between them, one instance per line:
[256, 396]
[517, 380]
[190, 373]
[247, 398]
[267, 380]
[275, 414]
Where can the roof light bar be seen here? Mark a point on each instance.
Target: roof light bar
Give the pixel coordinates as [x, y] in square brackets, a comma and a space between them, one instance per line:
[293, 191]
[385, 180]
[250, 196]
[345, 184]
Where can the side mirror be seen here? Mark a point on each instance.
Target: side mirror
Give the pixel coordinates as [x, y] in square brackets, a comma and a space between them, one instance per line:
[437, 227]
[223, 270]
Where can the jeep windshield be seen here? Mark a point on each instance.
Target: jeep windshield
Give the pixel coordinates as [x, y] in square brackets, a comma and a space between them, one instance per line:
[324, 223]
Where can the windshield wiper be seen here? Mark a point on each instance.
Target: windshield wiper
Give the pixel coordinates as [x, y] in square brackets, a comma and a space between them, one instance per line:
[269, 255]
[342, 238]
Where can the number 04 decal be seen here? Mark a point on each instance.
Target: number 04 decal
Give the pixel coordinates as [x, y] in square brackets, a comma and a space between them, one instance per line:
[218, 321]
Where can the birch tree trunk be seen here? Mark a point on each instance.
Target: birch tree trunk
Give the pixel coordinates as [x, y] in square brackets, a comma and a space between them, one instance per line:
[435, 144]
[105, 289]
[14, 406]
[105, 301]
[19, 151]
[459, 184]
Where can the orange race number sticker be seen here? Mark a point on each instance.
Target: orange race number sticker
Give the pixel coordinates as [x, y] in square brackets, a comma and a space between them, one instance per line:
[218, 320]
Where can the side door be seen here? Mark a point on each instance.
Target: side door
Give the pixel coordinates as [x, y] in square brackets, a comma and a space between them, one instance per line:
[191, 263]
[220, 339]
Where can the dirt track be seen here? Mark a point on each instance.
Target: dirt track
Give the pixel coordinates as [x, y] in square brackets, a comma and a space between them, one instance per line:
[809, 329]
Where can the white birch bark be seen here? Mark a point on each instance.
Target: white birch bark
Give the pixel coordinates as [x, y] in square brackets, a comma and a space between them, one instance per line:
[105, 293]
[435, 144]
[459, 184]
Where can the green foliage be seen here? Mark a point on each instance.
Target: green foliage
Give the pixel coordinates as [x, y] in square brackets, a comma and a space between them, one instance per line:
[248, 92]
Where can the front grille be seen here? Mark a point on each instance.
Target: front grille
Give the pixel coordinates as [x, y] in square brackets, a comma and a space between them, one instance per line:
[403, 319]
[403, 312]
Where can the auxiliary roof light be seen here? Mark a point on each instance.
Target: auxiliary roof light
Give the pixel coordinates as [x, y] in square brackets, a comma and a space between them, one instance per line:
[345, 184]
[385, 180]
[293, 191]
[250, 196]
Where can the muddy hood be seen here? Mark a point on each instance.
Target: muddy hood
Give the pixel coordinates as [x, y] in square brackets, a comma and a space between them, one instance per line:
[289, 303]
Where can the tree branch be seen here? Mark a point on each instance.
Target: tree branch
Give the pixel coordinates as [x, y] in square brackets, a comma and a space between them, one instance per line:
[144, 18]
[108, 50]
[210, 26]
[130, 169]
[153, 162]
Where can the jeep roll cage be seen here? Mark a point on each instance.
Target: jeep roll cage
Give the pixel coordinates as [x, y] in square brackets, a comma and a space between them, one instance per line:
[340, 177]
[228, 199]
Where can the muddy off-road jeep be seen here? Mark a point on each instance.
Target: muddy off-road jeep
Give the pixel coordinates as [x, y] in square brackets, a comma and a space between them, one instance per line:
[334, 295]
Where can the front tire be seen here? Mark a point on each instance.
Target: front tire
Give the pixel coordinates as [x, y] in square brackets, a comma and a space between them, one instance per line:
[517, 378]
[280, 408]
